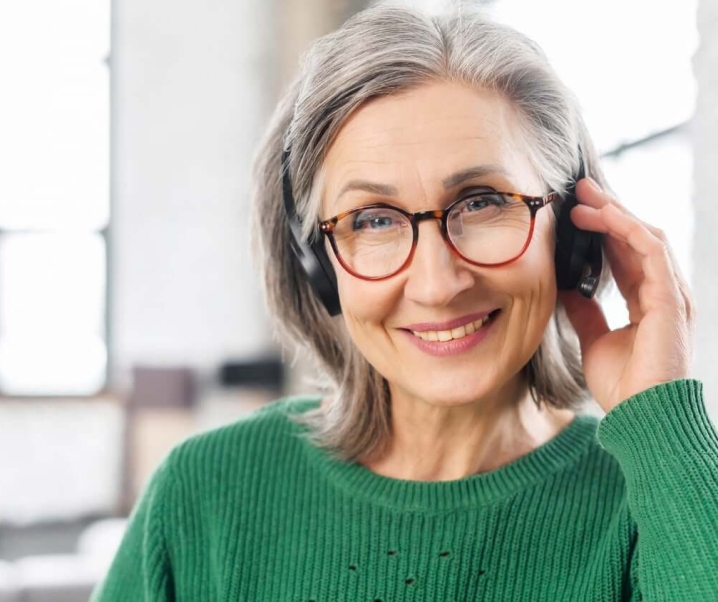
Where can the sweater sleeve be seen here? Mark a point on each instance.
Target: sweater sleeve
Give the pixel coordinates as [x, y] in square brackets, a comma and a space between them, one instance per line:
[141, 569]
[667, 448]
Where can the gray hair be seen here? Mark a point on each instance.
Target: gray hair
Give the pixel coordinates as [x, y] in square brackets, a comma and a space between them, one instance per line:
[380, 51]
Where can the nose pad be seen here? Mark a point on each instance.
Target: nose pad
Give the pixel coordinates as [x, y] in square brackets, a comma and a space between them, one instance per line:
[436, 275]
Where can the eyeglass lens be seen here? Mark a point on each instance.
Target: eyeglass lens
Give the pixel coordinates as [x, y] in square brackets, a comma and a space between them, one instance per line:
[489, 229]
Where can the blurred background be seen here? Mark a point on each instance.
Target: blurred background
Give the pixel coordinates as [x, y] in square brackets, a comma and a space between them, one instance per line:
[130, 312]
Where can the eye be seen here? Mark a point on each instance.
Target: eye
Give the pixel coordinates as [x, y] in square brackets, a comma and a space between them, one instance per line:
[477, 203]
[375, 219]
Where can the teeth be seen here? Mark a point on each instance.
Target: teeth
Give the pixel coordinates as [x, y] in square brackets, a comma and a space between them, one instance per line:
[453, 334]
[444, 335]
[457, 333]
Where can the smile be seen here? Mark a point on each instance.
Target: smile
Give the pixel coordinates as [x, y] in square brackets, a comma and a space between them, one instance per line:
[454, 333]
[443, 343]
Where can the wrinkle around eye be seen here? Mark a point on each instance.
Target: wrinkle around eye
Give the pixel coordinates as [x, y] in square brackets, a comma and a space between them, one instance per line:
[356, 201]
[362, 201]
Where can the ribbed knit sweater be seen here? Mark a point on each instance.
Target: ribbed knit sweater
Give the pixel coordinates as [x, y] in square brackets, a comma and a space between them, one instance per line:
[623, 507]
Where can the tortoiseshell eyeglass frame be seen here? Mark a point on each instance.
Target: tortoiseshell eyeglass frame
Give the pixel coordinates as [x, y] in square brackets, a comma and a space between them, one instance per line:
[534, 203]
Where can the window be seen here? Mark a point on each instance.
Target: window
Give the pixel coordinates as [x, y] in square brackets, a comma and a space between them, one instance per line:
[54, 196]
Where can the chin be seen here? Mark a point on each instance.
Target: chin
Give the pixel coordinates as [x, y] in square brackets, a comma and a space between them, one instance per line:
[452, 390]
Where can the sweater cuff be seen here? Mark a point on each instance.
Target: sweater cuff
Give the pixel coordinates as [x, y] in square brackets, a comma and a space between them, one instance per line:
[668, 421]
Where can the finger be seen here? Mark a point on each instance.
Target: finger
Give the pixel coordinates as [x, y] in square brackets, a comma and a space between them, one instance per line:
[586, 317]
[590, 195]
[597, 199]
[626, 265]
[593, 197]
[589, 218]
[655, 257]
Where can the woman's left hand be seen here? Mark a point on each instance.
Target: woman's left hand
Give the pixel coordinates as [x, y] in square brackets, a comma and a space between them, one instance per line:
[657, 345]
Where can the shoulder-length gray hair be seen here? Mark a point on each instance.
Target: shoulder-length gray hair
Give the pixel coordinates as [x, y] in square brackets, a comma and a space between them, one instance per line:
[380, 51]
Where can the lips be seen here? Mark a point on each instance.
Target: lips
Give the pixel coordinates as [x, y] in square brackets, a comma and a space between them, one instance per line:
[455, 333]
[458, 340]
[451, 324]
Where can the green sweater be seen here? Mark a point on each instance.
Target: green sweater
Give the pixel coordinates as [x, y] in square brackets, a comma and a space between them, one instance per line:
[619, 508]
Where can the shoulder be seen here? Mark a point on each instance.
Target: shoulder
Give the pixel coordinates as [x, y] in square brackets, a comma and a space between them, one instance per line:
[232, 451]
[597, 473]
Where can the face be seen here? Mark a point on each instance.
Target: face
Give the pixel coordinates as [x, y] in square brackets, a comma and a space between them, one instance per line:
[413, 142]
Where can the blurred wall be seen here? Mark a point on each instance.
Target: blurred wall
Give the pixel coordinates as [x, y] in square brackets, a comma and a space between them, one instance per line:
[192, 86]
[704, 133]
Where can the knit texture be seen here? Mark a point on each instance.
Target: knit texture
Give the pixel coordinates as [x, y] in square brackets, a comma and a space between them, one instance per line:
[619, 508]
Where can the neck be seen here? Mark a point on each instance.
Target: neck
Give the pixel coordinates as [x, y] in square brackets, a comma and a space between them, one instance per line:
[431, 442]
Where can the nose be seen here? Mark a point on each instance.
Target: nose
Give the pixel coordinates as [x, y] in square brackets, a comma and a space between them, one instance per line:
[436, 275]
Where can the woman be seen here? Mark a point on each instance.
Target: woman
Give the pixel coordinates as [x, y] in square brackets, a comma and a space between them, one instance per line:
[425, 165]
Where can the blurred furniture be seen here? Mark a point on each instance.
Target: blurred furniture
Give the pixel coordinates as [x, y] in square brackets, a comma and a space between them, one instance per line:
[60, 459]
[169, 404]
[67, 464]
[63, 577]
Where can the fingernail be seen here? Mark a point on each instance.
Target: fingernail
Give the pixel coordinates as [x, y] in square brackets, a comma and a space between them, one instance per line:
[594, 184]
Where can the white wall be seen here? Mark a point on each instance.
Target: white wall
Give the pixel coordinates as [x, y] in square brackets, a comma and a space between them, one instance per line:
[191, 90]
[705, 196]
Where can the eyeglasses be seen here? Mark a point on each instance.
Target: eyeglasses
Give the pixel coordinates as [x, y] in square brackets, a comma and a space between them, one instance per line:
[486, 229]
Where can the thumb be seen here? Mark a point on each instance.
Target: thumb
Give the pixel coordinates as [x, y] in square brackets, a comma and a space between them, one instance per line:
[586, 317]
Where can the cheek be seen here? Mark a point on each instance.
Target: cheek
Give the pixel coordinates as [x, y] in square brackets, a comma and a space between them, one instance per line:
[534, 273]
[365, 304]
[530, 283]
[535, 283]
[539, 257]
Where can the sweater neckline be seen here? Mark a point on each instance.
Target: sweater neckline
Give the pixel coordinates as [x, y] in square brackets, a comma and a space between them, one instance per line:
[481, 489]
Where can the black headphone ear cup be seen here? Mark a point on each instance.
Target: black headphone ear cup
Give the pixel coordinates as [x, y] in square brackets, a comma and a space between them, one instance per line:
[316, 266]
[311, 254]
[569, 243]
[324, 279]
[575, 249]
[589, 283]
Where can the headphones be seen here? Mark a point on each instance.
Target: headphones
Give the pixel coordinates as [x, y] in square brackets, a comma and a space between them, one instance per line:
[312, 254]
[576, 250]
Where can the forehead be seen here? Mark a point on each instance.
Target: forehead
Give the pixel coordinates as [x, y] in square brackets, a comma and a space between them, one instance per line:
[429, 131]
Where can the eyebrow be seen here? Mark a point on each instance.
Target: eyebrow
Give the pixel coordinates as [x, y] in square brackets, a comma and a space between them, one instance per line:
[470, 173]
